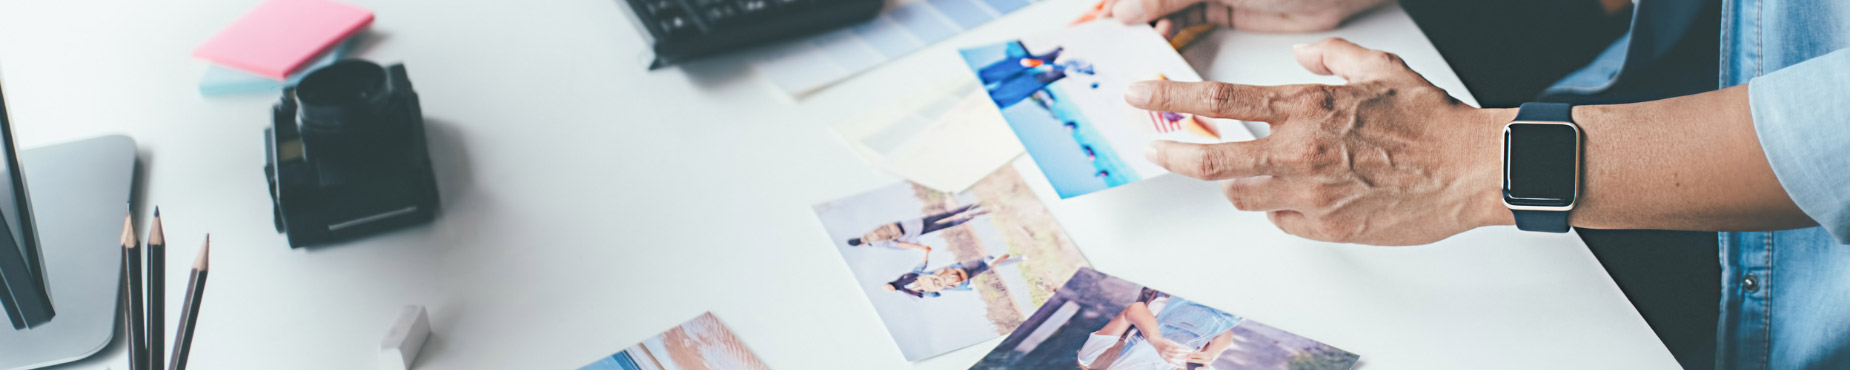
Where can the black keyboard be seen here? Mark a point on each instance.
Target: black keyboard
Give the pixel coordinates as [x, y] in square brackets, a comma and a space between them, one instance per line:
[680, 30]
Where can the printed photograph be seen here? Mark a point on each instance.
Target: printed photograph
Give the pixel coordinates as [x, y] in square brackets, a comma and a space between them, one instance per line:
[945, 270]
[1063, 95]
[699, 344]
[1099, 322]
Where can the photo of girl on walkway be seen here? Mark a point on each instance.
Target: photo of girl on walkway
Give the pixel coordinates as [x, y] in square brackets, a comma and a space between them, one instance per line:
[1099, 322]
[944, 270]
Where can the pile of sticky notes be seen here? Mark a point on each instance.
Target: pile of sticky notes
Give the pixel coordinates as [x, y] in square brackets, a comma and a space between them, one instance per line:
[277, 43]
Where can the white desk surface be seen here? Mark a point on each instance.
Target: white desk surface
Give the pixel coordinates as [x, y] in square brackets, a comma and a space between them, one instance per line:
[590, 204]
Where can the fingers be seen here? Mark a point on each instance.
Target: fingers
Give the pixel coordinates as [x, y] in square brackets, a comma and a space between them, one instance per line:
[1274, 193]
[1212, 161]
[1218, 13]
[1291, 222]
[1144, 11]
[1328, 227]
[1259, 193]
[1212, 99]
[1269, 21]
[1352, 62]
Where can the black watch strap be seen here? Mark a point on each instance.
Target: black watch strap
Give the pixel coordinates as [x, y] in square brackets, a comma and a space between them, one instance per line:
[1547, 112]
[1543, 221]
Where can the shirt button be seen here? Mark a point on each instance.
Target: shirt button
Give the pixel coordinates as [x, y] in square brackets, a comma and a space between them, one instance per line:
[1750, 283]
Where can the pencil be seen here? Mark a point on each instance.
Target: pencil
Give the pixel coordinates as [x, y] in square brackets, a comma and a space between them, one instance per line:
[131, 282]
[157, 291]
[189, 309]
[1189, 34]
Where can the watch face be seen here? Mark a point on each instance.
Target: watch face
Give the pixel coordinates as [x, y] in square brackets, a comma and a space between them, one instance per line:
[1541, 164]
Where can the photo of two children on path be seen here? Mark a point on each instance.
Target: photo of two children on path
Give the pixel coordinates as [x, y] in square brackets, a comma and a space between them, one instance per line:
[946, 270]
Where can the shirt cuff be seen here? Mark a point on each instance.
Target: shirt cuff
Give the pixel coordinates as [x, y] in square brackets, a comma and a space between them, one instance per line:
[1803, 123]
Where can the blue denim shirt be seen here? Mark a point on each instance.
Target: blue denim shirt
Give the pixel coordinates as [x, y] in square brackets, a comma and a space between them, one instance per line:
[1785, 294]
[1190, 324]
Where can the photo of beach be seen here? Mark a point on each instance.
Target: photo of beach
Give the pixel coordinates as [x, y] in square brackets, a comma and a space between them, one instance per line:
[699, 344]
[945, 271]
[1099, 322]
[1063, 95]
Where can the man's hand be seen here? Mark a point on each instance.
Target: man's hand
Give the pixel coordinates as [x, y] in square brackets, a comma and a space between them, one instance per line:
[1386, 159]
[1250, 15]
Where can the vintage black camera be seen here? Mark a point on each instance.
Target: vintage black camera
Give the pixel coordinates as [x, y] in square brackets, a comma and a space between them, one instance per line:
[347, 156]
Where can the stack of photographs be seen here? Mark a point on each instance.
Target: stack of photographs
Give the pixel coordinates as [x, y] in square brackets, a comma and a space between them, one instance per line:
[945, 270]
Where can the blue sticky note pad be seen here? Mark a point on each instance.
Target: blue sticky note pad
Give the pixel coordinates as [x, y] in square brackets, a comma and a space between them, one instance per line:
[964, 12]
[219, 81]
[1006, 6]
[887, 38]
[847, 50]
[919, 18]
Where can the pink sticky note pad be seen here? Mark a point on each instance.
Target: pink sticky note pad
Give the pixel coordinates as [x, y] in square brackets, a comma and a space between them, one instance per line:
[281, 35]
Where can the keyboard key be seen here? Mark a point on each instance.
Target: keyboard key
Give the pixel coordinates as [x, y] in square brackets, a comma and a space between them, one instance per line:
[660, 7]
[755, 9]
[675, 27]
[754, 6]
[719, 15]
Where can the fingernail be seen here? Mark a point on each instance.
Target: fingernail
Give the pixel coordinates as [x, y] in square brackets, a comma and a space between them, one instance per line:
[1299, 46]
[1149, 152]
[1138, 94]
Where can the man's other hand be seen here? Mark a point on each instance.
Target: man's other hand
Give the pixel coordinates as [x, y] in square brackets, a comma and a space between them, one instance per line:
[1250, 15]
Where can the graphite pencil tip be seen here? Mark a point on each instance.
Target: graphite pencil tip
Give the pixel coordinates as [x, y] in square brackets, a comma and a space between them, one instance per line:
[128, 230]
[155, 235]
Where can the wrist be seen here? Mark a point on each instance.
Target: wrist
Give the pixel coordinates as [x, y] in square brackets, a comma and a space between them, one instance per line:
[1484, 161]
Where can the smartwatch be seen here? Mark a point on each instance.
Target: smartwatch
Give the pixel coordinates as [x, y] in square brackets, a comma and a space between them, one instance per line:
[1541, 166]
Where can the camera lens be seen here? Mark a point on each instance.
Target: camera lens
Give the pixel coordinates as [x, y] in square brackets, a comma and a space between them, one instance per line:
[344, 98]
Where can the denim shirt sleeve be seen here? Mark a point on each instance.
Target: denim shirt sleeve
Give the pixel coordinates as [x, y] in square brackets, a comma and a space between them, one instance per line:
[1803, 120]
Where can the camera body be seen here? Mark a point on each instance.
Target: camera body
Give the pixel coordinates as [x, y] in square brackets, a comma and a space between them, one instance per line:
[347, 155]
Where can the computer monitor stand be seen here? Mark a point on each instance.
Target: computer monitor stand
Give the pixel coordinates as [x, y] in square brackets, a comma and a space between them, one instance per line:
[79, 191]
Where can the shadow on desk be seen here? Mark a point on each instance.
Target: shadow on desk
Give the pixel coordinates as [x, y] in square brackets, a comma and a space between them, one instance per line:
[1672, 277]
[712, 73]
[449, 159]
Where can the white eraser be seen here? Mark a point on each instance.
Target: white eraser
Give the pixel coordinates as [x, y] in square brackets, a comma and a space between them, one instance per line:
[402, 342]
